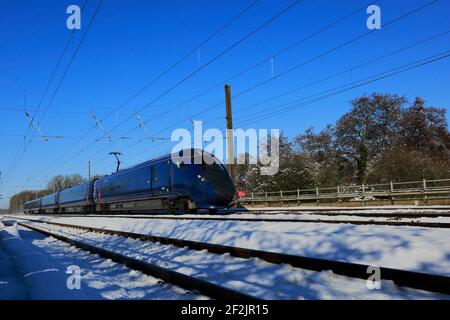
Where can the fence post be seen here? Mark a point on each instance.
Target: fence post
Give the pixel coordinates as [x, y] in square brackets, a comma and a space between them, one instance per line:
[317, 194]
[392, 191]
[337, 197]
[424, 191]
[266, 202]
[364, 194]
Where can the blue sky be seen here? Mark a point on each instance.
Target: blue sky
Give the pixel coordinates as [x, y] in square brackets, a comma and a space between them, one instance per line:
[131, 42]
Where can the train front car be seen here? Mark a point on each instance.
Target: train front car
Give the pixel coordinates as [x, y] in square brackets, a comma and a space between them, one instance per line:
[168, 183]
[205, 180]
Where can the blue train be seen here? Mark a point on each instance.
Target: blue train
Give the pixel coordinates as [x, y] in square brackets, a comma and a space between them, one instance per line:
[187, 184]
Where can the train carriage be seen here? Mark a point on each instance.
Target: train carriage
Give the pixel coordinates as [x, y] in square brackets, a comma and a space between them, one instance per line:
[49, 203]
[76, 199]
[33, 206]
[188, 183]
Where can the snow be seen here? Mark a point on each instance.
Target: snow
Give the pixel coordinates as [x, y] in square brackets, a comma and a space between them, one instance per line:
[11, 283]
[401, 247]
[252, 276]
[33, 266]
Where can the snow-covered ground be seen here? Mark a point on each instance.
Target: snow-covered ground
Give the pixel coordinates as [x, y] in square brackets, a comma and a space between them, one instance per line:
[341, 216]
[33, 266]
[410, 248]
[401, 247]
[252, 276]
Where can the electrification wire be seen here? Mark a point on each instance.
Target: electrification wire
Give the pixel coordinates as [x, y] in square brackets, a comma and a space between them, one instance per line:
[170, 89]
[296, 67]
[362, 82]
[50, 80]
[409, 13]
[279, 52]
[343, 88]
[161, 75]
[352, 85]
[60, 81]
[274, 55]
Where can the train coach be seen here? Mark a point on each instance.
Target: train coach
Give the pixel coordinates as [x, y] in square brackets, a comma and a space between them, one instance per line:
[188, 184]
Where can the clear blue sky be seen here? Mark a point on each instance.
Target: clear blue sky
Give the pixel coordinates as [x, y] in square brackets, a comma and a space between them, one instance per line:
[131, 42]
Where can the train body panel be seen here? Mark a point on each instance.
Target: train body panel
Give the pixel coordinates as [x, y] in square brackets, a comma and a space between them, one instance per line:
[76, 199]
[33, 206]
[186, 184]
[49, 203]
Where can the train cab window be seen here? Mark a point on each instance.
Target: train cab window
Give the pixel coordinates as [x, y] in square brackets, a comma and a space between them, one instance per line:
[160, 177]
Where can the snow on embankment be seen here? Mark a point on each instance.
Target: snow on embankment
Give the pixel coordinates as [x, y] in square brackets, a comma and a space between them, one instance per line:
[409, 248]
[42, 278]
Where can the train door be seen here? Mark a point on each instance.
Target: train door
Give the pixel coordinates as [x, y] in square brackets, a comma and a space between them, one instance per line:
[160, 178]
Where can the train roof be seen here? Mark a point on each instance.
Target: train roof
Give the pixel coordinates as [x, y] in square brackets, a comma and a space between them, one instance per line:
[163, 158]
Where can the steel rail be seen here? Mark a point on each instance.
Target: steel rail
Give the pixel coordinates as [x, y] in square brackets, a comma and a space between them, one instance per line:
[443, 225]
[411, 279]
[176, 278]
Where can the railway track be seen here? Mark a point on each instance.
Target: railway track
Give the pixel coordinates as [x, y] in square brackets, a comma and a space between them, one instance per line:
[179, 279]
[411, 279]
[266, 219]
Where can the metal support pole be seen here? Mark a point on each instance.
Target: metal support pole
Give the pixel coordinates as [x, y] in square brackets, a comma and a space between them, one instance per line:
[229, 120]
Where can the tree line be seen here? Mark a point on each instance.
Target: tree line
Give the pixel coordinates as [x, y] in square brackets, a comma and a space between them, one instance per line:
[383, 138]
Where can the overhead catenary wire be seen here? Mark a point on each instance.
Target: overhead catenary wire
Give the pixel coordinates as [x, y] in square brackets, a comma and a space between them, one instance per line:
[346, 87]
[261, 62]
[271, 56]
[353, 85]
[161, 75]
[50, 80]
[384, 56]
[197, 70]
[302, 40]
[72, 58]
[215, 58]
[315, 58]
[399, 18]
[349, 86]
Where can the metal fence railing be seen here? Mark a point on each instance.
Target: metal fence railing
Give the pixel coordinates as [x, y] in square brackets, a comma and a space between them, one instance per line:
[423, 189]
